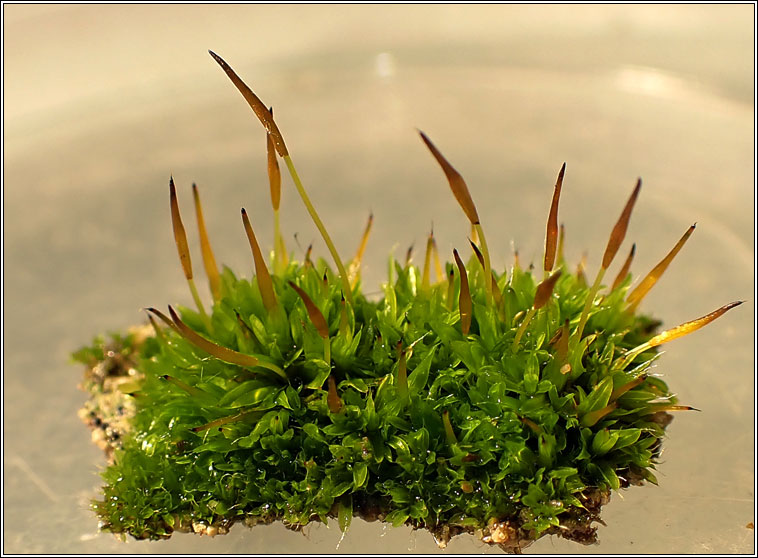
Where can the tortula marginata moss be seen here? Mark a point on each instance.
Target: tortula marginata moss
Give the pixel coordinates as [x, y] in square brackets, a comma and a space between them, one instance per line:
[508, 405]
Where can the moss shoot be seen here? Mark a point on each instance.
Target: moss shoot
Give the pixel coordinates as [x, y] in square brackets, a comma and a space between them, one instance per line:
[508, 404]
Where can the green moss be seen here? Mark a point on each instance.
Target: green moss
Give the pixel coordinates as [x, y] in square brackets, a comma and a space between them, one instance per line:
[510, 407]
[523, 445]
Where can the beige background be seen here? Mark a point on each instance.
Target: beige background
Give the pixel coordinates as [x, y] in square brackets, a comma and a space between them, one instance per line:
[102, 103]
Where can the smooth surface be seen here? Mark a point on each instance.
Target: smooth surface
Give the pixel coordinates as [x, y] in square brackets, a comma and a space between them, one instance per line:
[101, 104]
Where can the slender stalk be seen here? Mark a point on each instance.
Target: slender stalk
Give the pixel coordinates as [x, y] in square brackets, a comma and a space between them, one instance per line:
[522, 328]
[199, 303]
[588, 304]
[487, 265]
[320, 225]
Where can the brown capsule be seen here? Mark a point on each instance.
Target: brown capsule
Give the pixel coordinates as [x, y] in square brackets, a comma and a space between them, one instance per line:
[315, 315]
[262, 276]
[209, 261]
[457, 184]
[274, 174]
[464, 298]
[545, 290]
[333, 400]
[624, 271]
[551, 237]
[619, 230]
[255, 103]
[636, 296]
[180, 236]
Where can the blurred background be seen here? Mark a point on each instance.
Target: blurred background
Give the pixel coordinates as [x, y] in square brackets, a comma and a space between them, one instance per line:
[102, 103]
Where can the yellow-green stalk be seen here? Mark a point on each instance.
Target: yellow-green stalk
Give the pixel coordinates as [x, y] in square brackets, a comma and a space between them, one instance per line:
[209, 261]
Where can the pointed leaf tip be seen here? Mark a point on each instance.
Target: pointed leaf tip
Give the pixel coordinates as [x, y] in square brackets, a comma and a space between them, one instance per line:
[315, 315]
[457, 184]
[180, 236]
[545, 290]
[636, 296]
[689, 327]
[551, 237]
[464, 298]
[675, 333]
[619, 230]
[262, 275]
[260, 109]
[221, 353]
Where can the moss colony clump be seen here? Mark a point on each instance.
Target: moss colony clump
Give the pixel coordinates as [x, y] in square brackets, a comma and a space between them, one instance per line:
[507, 405]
